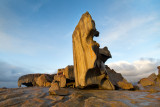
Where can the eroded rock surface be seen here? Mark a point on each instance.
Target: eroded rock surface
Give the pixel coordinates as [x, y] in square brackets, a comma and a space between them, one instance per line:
[39, 97]
[151, 83]
[44, 80]
[150, 80]
[35, 80]
[118, 80]
[89, 68]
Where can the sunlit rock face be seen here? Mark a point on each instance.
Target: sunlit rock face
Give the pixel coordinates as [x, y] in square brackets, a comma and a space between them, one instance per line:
[29, 80]
[151, 80]
[89, 59]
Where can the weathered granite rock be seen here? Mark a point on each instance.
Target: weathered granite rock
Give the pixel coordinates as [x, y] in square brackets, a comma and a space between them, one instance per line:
[31, 79]
[118, 80]
[89, 60]
[146, 82]
[151, 83]
[56, 90]
[60, 71]
[125, 85]
[62, 82]
[69, 72]
[53, 88]
[39, 97]
[61, 79]
[44, 80]
[57, 77]
[28, 80]
[104, 54]
[150, 80]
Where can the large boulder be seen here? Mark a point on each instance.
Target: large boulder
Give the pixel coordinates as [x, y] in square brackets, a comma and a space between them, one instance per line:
[61, 79]
[44, 80]
[69, 72]
[62, 82]
[146, 82]
[118, 80]
[28, 80]
[56, 90]
[89, 59]
[125, 85]
[34, 80]
[150, 80]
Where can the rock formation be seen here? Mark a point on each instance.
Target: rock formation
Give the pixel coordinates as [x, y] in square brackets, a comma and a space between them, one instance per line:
[68, 72]
[89, 59]
[89, 69]
[44, 80]
[61, 80]
[35, 80]
[150, 80]
[118, 80]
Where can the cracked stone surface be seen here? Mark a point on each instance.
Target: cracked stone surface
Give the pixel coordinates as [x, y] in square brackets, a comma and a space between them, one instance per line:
[39, 97]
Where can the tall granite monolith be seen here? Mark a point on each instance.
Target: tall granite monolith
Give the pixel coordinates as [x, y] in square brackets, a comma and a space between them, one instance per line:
[89, 59]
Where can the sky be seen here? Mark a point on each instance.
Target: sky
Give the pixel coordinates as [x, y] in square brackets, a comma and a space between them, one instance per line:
[36, 35]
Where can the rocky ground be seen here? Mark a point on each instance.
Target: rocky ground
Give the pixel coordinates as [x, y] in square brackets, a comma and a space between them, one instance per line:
[39, 97]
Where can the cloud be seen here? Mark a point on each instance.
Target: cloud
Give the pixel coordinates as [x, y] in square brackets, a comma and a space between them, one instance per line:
[136, 70]
[10, 74]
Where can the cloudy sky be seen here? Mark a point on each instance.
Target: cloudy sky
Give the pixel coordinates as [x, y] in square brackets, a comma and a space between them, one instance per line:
[36, 35]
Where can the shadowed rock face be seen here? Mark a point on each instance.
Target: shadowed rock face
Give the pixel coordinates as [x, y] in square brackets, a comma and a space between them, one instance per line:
[118, 80]
[35, 80]
[89, 60]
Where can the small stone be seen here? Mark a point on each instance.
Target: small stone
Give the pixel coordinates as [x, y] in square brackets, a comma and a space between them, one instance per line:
[53, 88]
